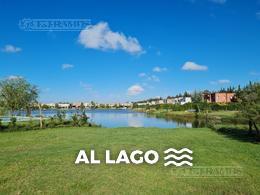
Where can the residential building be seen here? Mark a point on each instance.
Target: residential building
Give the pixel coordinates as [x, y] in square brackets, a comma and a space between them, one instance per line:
[219, 97]
[50, 105]
[182, 100]
[64, 105]
[170, 100]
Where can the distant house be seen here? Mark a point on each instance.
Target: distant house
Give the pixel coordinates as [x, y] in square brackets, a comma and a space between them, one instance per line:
[76, 105]
[219, 97]
[153, 102]
[182, 100]
[127, 104]
[50, 105]
[170, 100]
[160, 101]
[64, 105]
[142, 103]
[178, 100]
[86, 104]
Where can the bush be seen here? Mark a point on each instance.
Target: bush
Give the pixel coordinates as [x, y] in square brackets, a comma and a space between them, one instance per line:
[12, 123]
[43, 124]
[75, 120]
[83, 119]
[29, 125]
[233, 106]
[61, 116]
[52, 123]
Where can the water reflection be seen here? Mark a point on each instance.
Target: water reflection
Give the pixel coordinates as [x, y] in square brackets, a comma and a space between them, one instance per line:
[124, 118]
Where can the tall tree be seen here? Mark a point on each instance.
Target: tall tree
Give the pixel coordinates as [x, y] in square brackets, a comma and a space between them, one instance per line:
[17, 94]
[196, 96]
[249, 98]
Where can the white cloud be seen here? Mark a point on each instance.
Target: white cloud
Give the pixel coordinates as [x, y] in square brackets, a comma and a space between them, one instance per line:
[135, 90]
[159, 69]
[11, 49]
[153, 78]
[100, 37]
[86, 86]
[221, 81]
[67, 66]
[14, 77]
[219, 1]
[192, 66]
[149, 77]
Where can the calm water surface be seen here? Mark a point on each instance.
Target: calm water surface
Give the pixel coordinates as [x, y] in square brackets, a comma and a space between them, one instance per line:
[121, 118]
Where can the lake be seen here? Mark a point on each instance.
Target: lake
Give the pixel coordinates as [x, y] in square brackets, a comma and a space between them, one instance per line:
[121, 118]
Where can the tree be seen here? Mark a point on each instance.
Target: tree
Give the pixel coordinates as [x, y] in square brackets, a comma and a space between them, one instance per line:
[249, 98]
[92, 104]
[82, 107]
[17, 94]
[57, 106]
[83, 119]
[196, 96]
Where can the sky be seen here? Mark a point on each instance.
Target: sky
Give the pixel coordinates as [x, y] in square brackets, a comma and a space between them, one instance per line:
[131, 50]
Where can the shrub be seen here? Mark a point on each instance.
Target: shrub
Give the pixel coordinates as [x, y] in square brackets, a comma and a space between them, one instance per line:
[43, 124]
[52, 123]
[29, 125]
[61, 116]
[12, 123]
[83, 119]
[75, 120]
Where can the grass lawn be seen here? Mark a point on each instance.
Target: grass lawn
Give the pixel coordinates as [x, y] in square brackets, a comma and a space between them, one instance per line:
[211, 113]
[43, 162]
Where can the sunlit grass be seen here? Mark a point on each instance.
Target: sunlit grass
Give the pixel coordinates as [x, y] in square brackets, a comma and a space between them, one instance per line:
[42, 161]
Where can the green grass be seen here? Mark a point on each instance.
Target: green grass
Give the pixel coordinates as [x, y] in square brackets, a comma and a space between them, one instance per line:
[43, 162]
[211, 113]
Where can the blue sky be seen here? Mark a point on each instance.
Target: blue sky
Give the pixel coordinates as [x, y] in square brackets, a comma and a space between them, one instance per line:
[132, 50]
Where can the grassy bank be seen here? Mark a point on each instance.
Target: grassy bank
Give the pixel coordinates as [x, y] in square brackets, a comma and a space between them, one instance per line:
[222, 116]
[43, 161]
[216, 114]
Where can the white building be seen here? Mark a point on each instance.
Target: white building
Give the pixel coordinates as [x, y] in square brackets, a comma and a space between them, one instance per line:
[182, 100]
[170, 100]
[160, 101]
[64, 105]
[51, 105]
[86, 104]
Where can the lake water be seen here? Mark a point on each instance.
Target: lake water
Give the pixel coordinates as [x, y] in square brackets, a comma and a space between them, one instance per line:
[121, 118]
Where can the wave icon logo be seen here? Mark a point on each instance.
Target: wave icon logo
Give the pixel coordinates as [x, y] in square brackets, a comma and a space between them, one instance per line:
[178, 161]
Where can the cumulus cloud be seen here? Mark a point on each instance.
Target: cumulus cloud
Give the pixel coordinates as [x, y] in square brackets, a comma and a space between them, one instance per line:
[135, 90]
[153, 78]
[221, 81]
[101, 37]
[86, 86]
[67, 66]
[159, 69]
[218, 1]
[192, 66]
[149, 77]
[14, 77]
[11, 49]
